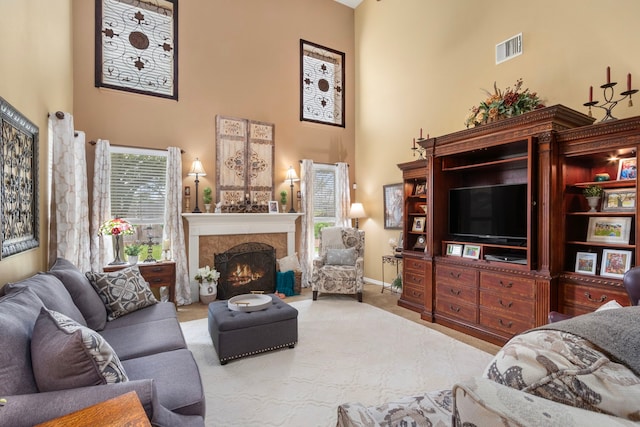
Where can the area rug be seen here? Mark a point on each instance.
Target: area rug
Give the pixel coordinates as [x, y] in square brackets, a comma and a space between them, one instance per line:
[347, 352]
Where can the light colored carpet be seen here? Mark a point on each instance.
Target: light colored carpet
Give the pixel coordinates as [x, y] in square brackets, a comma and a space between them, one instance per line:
[346, 352]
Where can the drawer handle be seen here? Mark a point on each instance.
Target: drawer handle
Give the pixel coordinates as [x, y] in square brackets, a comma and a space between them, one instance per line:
[505, 305]
[508, 285]
[416, 294]
[603, 298]
[452, 308]
[508, 325]
[157, 280]
[156, 269]
[455, 275]
[454, 292]
[417, 279]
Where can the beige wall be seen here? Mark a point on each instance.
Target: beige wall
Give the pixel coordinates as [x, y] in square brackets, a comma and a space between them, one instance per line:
[424, 63]
[236, 58]
[36, 77]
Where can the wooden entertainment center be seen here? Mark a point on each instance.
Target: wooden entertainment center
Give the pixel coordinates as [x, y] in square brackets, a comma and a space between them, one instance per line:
[494, 288]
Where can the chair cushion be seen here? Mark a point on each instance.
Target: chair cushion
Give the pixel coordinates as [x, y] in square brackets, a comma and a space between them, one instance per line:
[18, 313]
[122, 291]
[332, 238]
[341, 256]
[289, 263]
[68, 355]
[84, 296]
[52, 293]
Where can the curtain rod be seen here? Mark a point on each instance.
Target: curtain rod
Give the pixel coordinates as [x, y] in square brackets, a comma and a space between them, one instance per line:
[135, 146]
[322, 163]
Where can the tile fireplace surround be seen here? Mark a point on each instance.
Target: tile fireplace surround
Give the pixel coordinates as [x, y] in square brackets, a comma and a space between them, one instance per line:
[215, 233]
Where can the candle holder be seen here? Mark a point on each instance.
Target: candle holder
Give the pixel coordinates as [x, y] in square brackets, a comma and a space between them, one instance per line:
[150, 244]
[609, 104]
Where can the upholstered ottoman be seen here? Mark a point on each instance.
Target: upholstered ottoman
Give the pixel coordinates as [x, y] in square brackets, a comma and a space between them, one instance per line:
[237, 334]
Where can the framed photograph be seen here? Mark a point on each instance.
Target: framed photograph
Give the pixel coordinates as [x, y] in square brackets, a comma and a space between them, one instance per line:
[393, 200]
[615, 263]
[471, 251]
[418, 223]
[273, 206]
[454, 249]
[609, 230]
[420, 189]
[586, 263]
[619, 199]
[627, 169]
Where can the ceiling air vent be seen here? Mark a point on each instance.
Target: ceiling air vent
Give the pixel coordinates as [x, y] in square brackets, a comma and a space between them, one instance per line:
[509, 49]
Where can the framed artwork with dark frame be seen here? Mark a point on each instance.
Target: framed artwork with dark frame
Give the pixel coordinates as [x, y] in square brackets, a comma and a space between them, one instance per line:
[619, 200]
[322, 79]
[19, 190]
[393, 199]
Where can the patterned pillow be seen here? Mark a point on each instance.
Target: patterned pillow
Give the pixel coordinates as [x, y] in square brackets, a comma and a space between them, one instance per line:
[123, 291]
[68, 355]
[289, 263]
[341, 256]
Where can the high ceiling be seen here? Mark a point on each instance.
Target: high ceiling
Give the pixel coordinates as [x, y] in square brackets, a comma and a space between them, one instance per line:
[350, 3]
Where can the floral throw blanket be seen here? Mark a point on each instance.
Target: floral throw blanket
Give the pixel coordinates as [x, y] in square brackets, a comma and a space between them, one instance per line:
[568, 368]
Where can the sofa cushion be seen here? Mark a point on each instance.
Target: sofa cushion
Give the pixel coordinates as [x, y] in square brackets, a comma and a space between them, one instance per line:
[341, 256]
[122, 291]
[568, 369]
[18, 313]
[159, 311]
[52, 293]
[84, 296]
[68, 355]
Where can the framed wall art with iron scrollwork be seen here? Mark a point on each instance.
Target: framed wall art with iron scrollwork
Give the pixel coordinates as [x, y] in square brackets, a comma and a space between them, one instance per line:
[19, 218]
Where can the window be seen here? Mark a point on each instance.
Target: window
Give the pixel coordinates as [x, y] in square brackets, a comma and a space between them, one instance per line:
[322, 84]
[324, 198]
[138, 192]
[137, 46]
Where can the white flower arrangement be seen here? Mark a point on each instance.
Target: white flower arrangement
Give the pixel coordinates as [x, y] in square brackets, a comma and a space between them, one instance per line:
[207, 274]
[393, 243]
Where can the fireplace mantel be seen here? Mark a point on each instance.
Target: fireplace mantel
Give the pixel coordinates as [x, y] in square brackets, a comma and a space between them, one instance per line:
[203, 224]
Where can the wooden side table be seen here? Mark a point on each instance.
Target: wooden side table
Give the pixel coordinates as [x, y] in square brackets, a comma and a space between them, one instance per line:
[158, 274]
[393, 260]
[124, 410]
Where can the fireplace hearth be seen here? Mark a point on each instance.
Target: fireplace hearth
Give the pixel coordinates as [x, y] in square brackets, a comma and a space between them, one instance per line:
[245, 268]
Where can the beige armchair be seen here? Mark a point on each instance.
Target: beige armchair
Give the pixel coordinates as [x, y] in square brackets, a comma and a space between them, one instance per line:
[339, 269]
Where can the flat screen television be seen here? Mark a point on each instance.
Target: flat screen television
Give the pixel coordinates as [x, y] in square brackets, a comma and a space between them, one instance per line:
[490, 213]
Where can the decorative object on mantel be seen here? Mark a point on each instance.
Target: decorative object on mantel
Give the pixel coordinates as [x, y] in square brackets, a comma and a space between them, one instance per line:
[197, 170]
[206, 199]
[418, 148]
[501, 105]
[116, 227]
[283, 200]
[291, 177]
[608, 94]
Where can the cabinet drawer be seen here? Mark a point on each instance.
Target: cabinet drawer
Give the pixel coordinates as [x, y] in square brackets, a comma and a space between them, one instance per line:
[499, 321]
[591, 296]
[506, 304]
[415, 279]
[456, 275]
[414, 264]
[457, 292]
[452, 308]
[158, 275]
[501, 283]
[413, 293]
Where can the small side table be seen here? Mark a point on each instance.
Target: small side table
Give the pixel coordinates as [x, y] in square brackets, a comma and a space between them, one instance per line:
[393, 260]
[159, 274]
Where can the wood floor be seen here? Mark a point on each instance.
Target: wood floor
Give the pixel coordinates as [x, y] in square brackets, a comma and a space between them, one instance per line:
[386, 301]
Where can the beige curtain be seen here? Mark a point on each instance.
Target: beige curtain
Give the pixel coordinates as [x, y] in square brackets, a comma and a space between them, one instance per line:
[101, 248]
[343, 195]
[69, 207]
[307, 237]
[173, 229]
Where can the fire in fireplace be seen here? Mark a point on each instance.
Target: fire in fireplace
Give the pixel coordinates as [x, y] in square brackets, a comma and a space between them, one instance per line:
[246, 268]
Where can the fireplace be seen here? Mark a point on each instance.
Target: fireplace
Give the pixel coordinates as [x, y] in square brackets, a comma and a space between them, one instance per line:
[245, 268]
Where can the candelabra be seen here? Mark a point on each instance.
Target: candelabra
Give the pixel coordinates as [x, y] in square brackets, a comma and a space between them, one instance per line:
[419, 149]
[150, 244]
[608, 93]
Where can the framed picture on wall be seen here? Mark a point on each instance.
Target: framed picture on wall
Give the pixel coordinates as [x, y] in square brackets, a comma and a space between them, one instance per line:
[586, 262]
[393, 198]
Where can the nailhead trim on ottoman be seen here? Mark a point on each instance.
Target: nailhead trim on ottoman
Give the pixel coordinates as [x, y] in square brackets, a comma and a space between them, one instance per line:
[238, 334]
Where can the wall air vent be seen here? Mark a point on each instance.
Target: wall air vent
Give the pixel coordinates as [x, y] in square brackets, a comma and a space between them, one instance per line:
[509, 49]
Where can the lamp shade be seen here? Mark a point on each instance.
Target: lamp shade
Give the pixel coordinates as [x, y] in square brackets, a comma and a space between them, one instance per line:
[196, 168]
[357, 211]
[291, 175]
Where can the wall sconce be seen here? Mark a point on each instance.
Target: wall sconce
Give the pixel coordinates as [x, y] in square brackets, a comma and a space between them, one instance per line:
[291, 177]
[197, 170]
[357, 211]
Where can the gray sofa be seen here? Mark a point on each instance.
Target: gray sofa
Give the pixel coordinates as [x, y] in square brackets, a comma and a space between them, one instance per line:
[43, 375]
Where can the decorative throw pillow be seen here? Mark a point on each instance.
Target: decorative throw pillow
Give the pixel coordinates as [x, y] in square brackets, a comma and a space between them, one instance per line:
[122, 291]
[341, 256]
[609, 306]
[289, 263]
[84, 296]
[68, 355]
